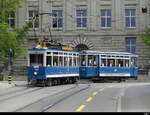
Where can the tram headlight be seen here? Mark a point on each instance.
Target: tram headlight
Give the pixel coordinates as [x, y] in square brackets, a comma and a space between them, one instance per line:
[35, 73]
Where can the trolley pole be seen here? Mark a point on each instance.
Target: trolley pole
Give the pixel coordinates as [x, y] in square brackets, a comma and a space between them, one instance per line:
[10, 52]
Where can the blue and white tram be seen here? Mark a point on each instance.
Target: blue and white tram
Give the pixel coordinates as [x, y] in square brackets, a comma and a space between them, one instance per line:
[110, 65]
[53, 66]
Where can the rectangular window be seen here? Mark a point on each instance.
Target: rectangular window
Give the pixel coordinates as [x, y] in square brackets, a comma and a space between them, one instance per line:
[49, 61]
[130, 18]
[131, 44]
[81, 18]
[34, 14]
[83, 60]
[57, 18]
[36, 59]
[106, 18]
[11, 19]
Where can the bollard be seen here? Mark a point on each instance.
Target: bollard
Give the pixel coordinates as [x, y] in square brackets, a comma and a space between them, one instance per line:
[9, 79]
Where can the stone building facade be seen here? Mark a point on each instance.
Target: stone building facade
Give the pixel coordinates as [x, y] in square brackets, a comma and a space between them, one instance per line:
[107, 25]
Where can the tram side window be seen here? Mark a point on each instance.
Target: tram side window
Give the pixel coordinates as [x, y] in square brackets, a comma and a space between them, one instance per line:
[136, 64]
[78, 62]
[111, 63]
[65, 61]
[83, 60]
[74, 61]
[119, 62]
[90, 60]
[103, 62]
[60, 61]
[70, 61]
[95, 61]
[49, 61]
[133, 62]
[126, 63]
[36, 59]
[55, 61]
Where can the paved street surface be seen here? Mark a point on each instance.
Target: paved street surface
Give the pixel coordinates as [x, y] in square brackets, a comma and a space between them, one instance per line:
[84, 97]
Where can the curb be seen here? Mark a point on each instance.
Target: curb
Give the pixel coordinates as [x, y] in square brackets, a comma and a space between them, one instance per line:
[4, 85]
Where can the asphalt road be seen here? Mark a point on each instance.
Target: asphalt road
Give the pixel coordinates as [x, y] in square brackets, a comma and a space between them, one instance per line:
[128, 97]
[96, 97]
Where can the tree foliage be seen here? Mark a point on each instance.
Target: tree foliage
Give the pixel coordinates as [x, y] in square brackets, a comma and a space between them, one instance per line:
[11, 38]
[23, 32]
[8, 6]
[146, 37]
[8, 40]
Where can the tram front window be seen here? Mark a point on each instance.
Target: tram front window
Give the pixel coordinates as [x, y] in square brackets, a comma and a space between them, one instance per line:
[36, 59]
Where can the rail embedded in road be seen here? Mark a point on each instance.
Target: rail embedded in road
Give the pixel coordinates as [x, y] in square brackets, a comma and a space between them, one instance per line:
[42, 105]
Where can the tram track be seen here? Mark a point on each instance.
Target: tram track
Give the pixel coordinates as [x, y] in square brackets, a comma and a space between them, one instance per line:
[20, 91]
[8, 93]
[24, 87]
[42, 105]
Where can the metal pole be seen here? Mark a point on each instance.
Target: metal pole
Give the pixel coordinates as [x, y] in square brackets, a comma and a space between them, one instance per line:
[49, 27]
[50, 32]
[10, 62]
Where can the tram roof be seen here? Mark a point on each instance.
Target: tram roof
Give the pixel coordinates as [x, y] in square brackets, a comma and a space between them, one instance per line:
[53, 50]
[108, 53]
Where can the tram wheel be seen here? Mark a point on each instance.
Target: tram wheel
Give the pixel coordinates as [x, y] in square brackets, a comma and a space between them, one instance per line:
[136, 78]
[49, 82]
[119, 81]
[70, 80]
[74, 80]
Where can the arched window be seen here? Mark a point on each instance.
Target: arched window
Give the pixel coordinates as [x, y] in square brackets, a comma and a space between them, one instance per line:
[81, 47]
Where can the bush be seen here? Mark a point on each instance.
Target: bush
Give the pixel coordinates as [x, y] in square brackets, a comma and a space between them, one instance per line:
[1, 77]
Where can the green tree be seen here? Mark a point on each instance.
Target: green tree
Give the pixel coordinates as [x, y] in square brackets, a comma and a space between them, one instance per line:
[8, 40]
[146, 37]
[11, 39]
[8, 6]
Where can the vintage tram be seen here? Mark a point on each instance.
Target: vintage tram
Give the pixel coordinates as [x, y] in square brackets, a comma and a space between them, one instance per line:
[50, 66]
[59, 64]
[108, 65]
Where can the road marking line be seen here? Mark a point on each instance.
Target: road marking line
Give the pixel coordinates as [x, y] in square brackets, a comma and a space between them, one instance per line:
[95, 93]
[80, 108]
[89, 99]
[119, 104]
[1, 84]
[102, 89]
[110, 86]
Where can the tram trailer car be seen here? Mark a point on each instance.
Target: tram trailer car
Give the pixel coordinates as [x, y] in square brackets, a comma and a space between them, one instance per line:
[52, 66]
[97, 65]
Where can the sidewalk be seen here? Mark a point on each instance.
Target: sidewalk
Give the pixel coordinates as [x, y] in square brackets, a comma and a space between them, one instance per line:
[141, 79]
[20, 81]
[5, 85]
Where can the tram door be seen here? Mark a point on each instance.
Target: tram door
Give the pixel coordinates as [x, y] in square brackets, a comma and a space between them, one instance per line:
[92, 65]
